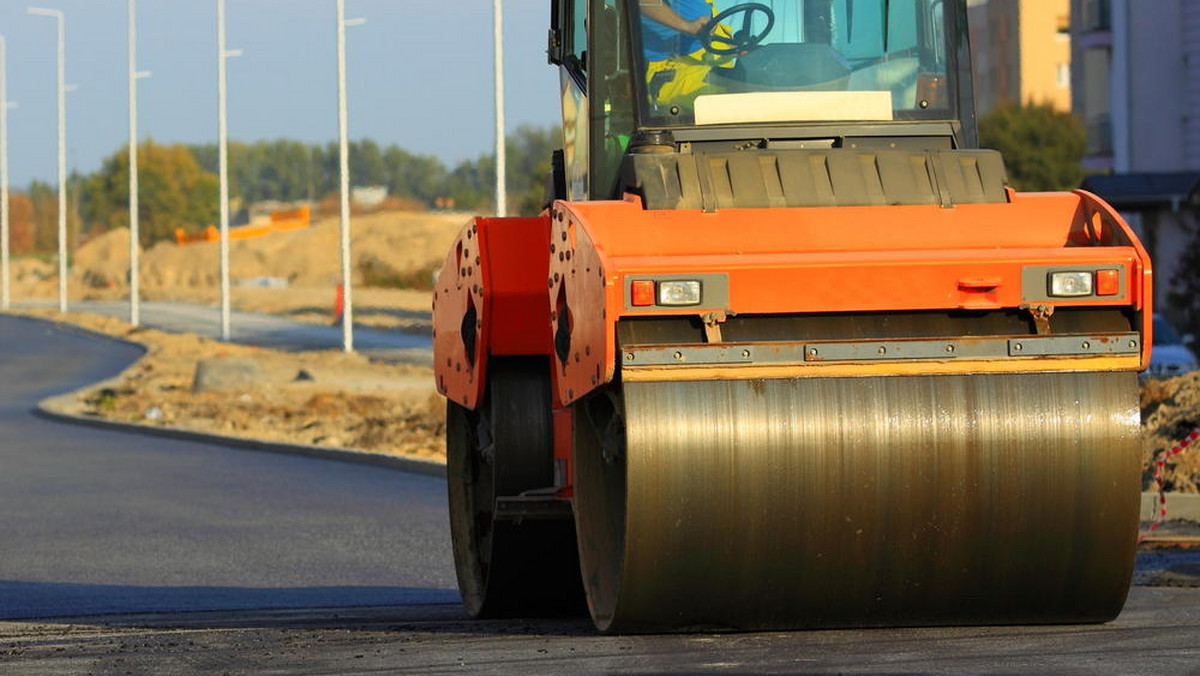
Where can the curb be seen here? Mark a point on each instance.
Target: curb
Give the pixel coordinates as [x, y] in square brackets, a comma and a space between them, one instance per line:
[413, 465]
[1184, 506]
[45, 409]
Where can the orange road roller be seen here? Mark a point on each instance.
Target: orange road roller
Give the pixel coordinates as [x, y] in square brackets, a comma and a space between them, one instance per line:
[783, 350]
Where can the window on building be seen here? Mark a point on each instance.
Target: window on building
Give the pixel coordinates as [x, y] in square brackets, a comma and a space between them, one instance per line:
[1062, 23]
[1064, 75]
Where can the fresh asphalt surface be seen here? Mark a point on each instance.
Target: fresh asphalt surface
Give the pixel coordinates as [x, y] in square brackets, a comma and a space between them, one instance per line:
[98, 521]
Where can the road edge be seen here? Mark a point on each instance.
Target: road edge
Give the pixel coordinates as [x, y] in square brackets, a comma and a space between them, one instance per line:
[46, 408]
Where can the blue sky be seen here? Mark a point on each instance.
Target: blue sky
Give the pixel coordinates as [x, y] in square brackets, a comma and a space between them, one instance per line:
[419, 75]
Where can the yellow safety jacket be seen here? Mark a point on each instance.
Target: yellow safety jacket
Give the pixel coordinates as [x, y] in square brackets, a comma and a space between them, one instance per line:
[681, 78]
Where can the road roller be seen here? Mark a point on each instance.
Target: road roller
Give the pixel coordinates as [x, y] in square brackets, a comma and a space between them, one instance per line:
[783, 350]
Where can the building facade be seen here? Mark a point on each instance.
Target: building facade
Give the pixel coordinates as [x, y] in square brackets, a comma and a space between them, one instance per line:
[1021, 51]
[1136, 85]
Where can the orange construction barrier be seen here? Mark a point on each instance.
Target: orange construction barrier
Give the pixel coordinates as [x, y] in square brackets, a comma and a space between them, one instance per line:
[281, 221]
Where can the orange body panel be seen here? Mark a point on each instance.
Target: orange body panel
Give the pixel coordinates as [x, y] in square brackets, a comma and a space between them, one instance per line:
[495, 274]
[841, 259]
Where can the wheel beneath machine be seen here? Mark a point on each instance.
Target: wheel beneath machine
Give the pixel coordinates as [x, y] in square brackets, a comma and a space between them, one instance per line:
[873, 501]
[508, 567]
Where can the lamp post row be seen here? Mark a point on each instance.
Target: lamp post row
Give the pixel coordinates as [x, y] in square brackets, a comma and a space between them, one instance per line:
[223, 54]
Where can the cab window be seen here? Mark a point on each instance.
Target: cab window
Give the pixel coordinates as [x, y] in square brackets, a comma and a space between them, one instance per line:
[818, 60]
[577, 38]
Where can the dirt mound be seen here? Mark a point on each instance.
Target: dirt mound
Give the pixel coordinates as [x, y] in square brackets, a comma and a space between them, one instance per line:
[391, 249]
[1170, 411]
[103, 262]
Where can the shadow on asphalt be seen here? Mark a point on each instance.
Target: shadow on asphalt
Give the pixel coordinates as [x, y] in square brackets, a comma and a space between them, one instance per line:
[46, 601]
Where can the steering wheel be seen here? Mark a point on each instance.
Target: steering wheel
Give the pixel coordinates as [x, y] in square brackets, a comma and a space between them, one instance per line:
[742, 39]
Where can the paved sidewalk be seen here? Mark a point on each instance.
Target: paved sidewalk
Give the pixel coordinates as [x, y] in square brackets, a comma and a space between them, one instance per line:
[261, 329]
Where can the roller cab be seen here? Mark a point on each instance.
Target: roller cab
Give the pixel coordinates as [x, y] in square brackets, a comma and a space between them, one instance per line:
[783, 351]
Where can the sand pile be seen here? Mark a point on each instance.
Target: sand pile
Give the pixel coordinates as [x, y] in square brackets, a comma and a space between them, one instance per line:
[1170, 411]
[34, 274]
[387, 250]
[391, 250]
[103, 263]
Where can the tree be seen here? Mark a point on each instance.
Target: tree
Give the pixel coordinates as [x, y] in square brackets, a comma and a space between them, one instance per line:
[175, 193]
[21, 222]
[418, 177]
[1042, 147]
[527, 155]
[179, 183]
[44, 200]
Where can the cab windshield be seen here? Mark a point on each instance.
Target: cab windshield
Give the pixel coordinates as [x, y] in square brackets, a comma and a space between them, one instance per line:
[722, 61]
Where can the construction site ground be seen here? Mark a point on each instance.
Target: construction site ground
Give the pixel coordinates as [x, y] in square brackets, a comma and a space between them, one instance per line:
[329, 398]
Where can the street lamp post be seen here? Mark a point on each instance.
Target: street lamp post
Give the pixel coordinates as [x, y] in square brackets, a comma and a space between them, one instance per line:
[62, 153]
[4, 231]
[223, 54]
[134, 248]
[498, 44]
[344, 167]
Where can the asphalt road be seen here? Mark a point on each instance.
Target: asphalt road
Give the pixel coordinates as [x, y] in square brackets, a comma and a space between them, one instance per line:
[289, 564]
[98, 521]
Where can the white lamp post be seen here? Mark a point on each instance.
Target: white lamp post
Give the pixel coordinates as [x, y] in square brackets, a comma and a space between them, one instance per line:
[344, 169]
[134, 248]
[62, 153]
[498, 43]
[4, 232]
[223, 160]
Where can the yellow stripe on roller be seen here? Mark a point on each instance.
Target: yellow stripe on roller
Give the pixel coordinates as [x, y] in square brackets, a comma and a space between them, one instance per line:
[646, 374]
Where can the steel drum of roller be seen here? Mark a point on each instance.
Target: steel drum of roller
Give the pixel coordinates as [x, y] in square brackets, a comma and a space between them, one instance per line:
[838, 502]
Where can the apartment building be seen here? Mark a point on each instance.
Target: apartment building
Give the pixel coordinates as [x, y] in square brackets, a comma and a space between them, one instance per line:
[1136, 85]
[1021, 51]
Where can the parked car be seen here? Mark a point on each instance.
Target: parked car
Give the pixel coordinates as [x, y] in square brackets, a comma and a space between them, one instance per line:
[1171, 355]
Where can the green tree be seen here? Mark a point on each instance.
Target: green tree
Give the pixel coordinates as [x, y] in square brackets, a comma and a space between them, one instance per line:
[527, 156]
[1042, 147]
[44, 199]
[175, 192]
[367, 166]
[417, 177]
[290, 170]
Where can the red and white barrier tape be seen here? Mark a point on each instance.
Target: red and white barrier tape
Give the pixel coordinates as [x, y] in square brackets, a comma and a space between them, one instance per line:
[1160, 512]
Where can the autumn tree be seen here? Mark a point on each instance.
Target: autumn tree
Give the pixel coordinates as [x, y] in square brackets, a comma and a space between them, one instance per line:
[44, 201]
[1042, 147]
[21, 223]
[175, 193]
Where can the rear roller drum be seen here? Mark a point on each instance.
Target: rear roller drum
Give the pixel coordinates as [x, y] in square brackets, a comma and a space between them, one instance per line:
[825, 502]
[508, 568]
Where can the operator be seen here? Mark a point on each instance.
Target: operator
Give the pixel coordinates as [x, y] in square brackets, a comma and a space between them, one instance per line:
[677, 65]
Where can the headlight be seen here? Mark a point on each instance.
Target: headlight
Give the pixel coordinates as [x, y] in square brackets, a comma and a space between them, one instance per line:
[1068, 284]
[679, 292]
